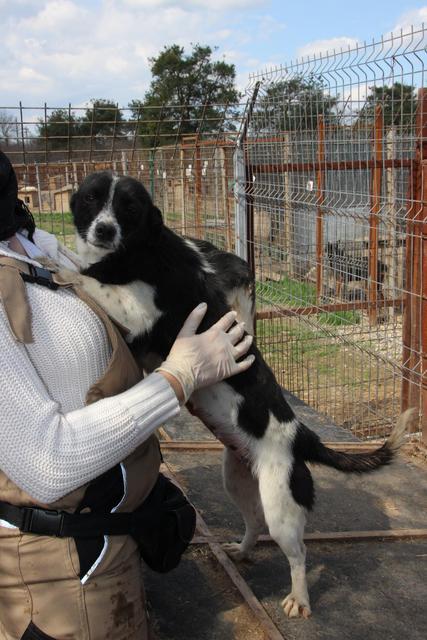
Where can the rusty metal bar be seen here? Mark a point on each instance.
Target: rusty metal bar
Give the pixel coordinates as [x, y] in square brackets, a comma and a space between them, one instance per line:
[333, 165]
[214, 445]
[374, 215]
[423, 240]
[336, 536]
[419, 315]
[320, 200]
[267, 625]
[279, 312]
[414, 324]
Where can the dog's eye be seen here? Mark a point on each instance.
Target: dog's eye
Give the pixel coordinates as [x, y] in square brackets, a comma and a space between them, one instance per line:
[89, 197]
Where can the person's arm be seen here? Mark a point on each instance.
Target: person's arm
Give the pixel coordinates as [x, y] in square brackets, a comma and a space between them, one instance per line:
[48, 453]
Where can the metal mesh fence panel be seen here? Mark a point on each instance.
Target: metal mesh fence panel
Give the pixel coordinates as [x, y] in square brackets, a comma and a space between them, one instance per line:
[317, 178]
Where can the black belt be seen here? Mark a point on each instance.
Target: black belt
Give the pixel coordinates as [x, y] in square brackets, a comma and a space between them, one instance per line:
[48, 522]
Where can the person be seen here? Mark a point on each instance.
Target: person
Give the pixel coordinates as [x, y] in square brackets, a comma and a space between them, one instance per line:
[77, 427]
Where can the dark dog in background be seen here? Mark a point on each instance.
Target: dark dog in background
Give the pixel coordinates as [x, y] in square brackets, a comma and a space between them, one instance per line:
[349, 268]
[149, 279]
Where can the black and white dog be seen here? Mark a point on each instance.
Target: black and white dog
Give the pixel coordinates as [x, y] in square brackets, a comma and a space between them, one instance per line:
[149, 278]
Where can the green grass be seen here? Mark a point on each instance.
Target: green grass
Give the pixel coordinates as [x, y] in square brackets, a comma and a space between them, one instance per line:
[58, 223]
[337, 318]
[293, 294]
[287, 292]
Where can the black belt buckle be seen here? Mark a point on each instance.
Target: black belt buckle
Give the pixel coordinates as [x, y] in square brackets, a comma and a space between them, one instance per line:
[41, 276]
[44, 522]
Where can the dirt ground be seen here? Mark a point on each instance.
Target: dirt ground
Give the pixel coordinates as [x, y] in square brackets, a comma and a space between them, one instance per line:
[367, 589]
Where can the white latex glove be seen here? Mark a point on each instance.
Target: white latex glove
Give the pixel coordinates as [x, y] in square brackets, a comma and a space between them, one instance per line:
[199, 360]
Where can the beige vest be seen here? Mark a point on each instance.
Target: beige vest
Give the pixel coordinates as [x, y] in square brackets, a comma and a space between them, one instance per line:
[142, 465]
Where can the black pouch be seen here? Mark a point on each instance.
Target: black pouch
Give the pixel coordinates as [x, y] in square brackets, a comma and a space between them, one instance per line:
[164, 526]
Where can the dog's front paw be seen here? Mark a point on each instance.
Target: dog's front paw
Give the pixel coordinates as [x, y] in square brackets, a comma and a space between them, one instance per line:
[296, 607]
[234, 550]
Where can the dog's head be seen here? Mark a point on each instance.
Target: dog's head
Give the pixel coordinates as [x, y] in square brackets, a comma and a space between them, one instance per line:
[111, 213]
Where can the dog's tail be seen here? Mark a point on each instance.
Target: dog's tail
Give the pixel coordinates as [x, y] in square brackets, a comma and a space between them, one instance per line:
[308, 446]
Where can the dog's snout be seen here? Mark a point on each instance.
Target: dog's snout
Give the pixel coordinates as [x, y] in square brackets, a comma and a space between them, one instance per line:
[105, 231]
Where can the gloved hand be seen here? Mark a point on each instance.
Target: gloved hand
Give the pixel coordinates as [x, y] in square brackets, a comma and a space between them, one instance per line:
[199, 360]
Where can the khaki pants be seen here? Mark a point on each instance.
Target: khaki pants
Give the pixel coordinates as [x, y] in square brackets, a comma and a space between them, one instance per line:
[42, 597]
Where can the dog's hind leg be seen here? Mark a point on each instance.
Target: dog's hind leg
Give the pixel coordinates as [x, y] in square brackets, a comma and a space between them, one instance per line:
[242, 487]
[286, 520]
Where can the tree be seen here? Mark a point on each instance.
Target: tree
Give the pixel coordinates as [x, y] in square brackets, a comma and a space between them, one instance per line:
[398, 101]
[102, 119]
[63, 130]
[294, 105]
[8, 129]
[57, 129]
[189, 93]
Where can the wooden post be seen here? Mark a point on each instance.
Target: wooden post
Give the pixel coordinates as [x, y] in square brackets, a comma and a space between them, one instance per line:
[374, 215]
[320, 200]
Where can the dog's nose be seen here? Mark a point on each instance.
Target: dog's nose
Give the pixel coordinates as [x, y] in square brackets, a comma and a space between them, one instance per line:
[105, 231]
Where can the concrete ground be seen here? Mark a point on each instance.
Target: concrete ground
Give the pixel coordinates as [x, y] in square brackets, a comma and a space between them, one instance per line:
[367, 590]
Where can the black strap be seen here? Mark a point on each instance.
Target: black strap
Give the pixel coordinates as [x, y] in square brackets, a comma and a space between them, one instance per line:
[48, 522]
[39, 275]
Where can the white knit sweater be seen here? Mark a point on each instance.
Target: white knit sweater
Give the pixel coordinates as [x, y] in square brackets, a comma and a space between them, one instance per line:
[50, 442]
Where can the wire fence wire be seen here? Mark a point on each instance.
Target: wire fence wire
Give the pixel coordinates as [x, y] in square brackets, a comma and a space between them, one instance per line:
[316, 177]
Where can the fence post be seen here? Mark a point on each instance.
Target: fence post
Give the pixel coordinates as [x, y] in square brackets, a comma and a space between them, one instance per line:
[374, 215]
[391, 257]
[423, 310]
[250, 239]
[198, 194]
[241, 246]
[287, 209]
[319, 201]
[224, 190]
[183, 188]
[414, 384]
[243, 208]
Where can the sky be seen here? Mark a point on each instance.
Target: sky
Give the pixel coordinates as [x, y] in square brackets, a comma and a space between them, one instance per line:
[71, 51]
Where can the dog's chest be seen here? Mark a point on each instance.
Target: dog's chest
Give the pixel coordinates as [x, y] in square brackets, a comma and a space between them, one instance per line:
[132, 305]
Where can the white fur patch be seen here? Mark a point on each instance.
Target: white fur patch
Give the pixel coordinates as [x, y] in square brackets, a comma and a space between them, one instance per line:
[132, 305]
[274, 449]
[206, 267]
[89, 254]
[240, 300]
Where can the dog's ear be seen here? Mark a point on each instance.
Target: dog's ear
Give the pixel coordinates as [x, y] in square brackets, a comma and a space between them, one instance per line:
[155, 223]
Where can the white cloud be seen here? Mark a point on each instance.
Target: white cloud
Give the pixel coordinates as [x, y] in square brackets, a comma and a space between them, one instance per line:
[213, 5]
[71, 50]
[411, 18]
[55, 15]
[318, 47]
